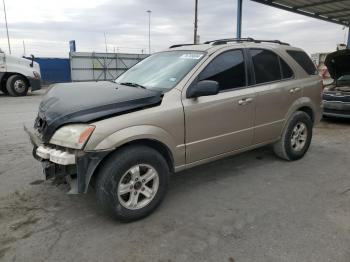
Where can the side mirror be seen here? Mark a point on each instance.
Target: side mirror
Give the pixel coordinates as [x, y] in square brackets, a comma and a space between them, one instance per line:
[32, 63]
[203, 88]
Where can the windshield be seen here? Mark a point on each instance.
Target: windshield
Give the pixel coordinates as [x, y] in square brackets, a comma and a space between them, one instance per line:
[161, 71]
[344, 80]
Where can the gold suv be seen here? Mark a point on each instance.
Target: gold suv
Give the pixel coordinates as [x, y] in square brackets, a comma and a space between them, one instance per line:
[176, 109]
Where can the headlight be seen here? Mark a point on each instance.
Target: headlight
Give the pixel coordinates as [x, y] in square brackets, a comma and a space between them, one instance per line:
[72, 136]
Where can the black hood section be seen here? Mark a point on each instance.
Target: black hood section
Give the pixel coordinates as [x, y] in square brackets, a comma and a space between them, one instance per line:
[338, 63]
[89, 101]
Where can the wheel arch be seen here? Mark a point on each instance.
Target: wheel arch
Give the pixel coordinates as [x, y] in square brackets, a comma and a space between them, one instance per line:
[7, 75]
[309, 111]
[157, 145]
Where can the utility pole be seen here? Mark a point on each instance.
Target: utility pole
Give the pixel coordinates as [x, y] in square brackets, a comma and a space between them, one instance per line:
[24, 49]
[195, 22]
[239, 19]
[7, 29]
[149, 30]
[105, 42]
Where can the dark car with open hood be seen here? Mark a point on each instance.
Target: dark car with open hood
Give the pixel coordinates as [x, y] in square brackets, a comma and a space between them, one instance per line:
[336, 96]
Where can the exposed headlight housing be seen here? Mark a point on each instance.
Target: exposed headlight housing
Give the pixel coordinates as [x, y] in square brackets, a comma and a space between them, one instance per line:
[72, 136]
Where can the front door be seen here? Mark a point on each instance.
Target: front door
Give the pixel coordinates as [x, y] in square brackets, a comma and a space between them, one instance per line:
[224, 122]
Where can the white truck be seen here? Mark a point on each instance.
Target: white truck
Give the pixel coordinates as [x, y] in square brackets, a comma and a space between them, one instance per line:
[17, 75]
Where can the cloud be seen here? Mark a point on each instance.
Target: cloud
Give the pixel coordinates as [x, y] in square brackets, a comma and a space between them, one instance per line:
[47, 26]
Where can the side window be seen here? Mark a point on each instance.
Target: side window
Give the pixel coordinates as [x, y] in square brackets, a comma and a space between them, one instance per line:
[266, 66]
[287, 72]
[304, 61]
[228, 69]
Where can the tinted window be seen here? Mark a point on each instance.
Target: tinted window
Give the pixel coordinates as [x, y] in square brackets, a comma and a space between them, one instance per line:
[266, 66]
[304, 61]
[228, 69]
[287, 72]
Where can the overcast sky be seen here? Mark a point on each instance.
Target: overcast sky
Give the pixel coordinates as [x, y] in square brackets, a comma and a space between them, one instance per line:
[46, 26]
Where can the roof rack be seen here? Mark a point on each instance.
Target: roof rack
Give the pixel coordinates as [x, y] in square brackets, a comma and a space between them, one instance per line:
[179, 45]
[240, 40]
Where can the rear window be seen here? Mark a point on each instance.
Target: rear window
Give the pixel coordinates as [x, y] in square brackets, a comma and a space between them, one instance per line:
[304, 61]
[287, 72]
[266, 66]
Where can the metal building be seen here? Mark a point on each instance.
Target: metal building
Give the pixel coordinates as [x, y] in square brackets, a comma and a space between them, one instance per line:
[101, 66]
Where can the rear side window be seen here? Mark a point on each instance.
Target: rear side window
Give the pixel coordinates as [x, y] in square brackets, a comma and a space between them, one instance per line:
[287, 72]
[266, 66]
[228, 69]
[304, 61]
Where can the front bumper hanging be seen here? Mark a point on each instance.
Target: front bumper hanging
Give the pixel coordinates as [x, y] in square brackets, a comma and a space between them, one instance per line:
[78, 166]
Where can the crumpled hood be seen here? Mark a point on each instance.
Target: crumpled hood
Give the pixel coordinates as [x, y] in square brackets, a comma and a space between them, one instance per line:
[89, 101]
[338, 63]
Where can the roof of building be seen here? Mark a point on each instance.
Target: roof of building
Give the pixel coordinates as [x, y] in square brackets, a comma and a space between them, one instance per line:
[335, 11]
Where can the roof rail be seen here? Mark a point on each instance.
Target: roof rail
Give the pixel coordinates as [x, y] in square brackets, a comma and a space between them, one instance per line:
[179, 45]
[239, 40]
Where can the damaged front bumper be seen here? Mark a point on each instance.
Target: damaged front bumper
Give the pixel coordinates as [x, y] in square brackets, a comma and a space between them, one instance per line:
[75, 166]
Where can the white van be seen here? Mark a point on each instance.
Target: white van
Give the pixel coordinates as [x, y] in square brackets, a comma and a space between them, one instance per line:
[17, 75]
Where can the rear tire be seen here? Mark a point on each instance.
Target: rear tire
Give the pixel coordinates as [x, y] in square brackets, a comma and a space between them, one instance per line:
[296, 137]
[17, 85]
[132, 183]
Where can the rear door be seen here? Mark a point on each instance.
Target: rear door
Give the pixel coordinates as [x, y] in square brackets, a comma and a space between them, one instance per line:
[224, 122]
[277, 90]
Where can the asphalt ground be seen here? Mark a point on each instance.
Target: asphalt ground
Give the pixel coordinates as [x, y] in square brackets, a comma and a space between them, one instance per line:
[250, 207]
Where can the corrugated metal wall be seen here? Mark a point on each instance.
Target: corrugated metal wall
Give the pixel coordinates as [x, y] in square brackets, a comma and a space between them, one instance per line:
[54, 70]
[101, 66]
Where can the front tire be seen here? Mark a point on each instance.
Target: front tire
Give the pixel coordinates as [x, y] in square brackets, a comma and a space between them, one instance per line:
[17, 85]
[132, 183]
[296, 137]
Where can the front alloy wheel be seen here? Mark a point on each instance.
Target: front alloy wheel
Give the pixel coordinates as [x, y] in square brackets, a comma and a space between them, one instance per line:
[138, 186]
[132, 182]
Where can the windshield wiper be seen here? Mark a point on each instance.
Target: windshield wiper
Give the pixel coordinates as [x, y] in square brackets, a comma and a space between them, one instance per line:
[132, 84]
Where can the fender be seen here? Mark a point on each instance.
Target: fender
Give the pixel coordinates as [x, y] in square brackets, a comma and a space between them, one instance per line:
[298, 104]
[134, 133]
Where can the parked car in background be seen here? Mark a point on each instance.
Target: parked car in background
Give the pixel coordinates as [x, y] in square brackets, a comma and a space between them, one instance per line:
[17, 75]
[186, 106]
[336, 96]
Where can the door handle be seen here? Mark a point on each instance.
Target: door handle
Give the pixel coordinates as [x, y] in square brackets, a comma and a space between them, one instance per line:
[293, 90]
[245, 101]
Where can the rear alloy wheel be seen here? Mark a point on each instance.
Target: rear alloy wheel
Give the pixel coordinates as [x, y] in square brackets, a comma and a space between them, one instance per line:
[16, 85]
[296, 137]
[132, 182]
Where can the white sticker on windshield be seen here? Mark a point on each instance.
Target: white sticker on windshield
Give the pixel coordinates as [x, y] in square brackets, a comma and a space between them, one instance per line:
[191, 56]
